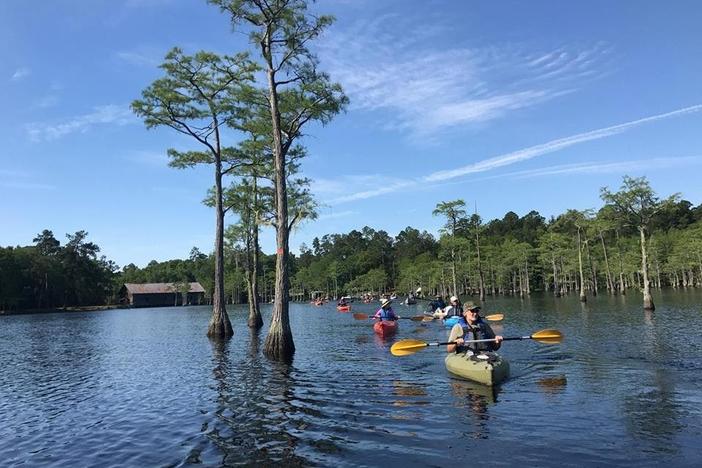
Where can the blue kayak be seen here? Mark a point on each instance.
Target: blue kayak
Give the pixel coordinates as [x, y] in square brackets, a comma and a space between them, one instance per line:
[449, 322]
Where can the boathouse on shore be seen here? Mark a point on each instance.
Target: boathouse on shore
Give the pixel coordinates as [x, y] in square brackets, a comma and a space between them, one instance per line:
[161, 294]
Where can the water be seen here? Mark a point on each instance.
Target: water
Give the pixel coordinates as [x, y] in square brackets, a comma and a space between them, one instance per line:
[145, 387]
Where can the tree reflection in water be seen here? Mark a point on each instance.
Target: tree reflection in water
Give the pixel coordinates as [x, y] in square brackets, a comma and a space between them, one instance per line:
[254, 420]
[476, 398]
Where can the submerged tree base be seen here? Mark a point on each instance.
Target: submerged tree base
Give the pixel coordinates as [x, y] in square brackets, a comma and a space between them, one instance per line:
[648, 304]
[220, 326]
[255, 321]
[279, 347]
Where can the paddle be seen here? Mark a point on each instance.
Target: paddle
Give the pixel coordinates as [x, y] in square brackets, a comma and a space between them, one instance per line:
[491, 318]
[418, 318]
[407, 347]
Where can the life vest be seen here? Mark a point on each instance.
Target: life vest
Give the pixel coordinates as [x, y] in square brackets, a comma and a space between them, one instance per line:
[478, 331]
[385, 314]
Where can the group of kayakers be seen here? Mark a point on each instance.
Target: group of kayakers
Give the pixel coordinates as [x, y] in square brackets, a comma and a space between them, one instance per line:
[469, 327]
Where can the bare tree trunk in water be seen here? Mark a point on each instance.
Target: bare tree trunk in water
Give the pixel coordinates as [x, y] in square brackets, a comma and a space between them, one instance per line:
[622, 285]
[255, 320]
[610, 284]
[279, 343]
[583, 297]
[220, 326]
[647, 299]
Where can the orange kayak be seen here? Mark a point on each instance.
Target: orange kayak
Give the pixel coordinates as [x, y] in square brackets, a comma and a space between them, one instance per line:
[385, 327]
[345, 308]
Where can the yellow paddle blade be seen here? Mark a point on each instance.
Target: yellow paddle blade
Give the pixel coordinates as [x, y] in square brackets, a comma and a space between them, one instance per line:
[548, 336]
[495, 317]
[427, 319]
[407, 347]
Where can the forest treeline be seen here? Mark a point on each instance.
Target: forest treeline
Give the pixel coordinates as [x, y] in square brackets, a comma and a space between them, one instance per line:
[511, 255]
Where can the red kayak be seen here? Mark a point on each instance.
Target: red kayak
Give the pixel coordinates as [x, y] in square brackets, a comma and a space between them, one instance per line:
[345, 308]
[385, 327]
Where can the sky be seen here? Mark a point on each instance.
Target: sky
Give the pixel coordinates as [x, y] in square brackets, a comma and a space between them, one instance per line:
[508, 105]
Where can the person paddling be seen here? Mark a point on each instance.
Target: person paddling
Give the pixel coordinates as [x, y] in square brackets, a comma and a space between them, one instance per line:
[385, 312]
[472, 327]
[452, 310]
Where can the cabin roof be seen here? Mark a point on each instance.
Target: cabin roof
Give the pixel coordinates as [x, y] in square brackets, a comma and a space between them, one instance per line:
[159, 288]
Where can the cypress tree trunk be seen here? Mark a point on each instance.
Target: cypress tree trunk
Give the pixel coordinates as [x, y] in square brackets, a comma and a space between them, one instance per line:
[647, 299]
[610, 284]
[255, 320]
[279, 343]
[220, 326]
[583, 297]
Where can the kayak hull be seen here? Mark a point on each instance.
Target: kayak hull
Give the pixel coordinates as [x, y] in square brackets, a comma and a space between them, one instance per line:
[449, 322]
[343, 308]
[491, 371]
[385, 328]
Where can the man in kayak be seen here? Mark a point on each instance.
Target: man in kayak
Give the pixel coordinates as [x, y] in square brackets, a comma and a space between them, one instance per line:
[452, 310]
[472, 327]
[385, 312]
[437, 303]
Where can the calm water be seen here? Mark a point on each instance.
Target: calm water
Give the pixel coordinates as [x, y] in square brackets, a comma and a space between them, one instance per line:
[145, 387]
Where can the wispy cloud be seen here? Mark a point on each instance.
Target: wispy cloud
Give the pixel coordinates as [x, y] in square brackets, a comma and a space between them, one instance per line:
[20, 73]
[538, 150]
[334, 191]
[101, 115]
[142, 58]
[552, 146]
[21, 180]
[148, 158]
[427, 90]
[595, 167]
[336, 215]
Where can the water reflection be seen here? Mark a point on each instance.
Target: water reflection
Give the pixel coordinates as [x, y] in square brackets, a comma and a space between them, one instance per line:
[552, 385]
[407, 393]
[253, 408]
[476, 399]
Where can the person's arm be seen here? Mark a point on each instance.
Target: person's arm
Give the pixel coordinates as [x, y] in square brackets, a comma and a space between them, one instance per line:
[491, 334]
[455, 335]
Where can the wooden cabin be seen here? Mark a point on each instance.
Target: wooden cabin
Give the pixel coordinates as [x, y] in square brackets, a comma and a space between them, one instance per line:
[161, 294]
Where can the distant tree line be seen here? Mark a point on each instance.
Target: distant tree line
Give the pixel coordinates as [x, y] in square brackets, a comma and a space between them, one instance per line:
[578, 252]
[49, 275]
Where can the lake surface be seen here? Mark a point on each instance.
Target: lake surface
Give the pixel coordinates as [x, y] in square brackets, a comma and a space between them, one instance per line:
[145, 387]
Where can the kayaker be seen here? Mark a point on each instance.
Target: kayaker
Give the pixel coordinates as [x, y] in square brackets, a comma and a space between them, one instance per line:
[437, 303]
[472, 327]
[385, 312]
[452, 310]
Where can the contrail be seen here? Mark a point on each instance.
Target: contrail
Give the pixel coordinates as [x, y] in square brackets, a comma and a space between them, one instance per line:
[551, 146]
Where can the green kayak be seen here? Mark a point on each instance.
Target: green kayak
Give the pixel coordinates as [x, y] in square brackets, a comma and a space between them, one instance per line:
[485, 368]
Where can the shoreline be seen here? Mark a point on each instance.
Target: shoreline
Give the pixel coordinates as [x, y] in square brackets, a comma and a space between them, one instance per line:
[63, 309]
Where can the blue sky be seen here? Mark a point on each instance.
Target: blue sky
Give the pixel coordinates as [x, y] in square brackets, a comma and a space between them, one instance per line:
[512, 105]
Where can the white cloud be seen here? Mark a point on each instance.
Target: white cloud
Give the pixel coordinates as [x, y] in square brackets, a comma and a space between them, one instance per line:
[139, 58]
[20, 73]
[102, 115]
[21, 180]
[531, 152]
[551, 146]
[426, 90]
[149, 158]
[618, 167]
[336, 215]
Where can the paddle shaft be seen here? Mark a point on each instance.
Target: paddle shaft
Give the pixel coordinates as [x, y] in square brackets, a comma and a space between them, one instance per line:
[509, 338]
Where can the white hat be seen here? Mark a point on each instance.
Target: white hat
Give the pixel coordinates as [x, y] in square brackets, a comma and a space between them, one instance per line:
[453, 298]
[385, 302]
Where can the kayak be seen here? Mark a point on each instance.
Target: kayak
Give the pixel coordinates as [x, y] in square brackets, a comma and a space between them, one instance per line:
[449, 322]
[345, 308]
[485, 368]
[385, 327]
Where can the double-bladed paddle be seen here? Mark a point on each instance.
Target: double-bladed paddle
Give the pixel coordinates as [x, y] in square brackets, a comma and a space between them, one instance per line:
[407, 347]
[491, 318]
[418, 318]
